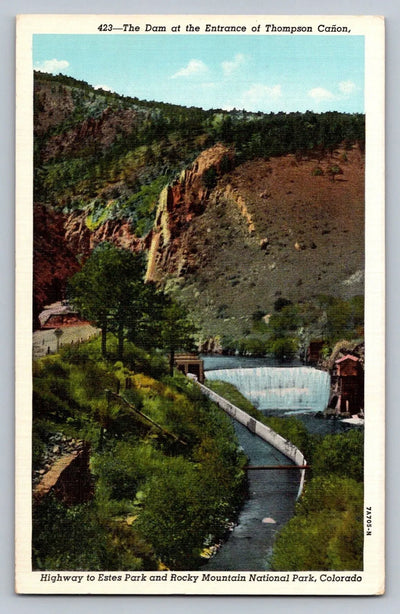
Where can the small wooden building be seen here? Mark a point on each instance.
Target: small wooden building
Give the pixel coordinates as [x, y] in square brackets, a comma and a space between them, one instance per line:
[190, 363]
[314, 351]
[348, 385]
[348, 366]
[59, 314]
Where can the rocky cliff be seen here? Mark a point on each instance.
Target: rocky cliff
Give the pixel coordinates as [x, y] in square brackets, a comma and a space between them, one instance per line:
[267, 228]
[172, 251]
[229, 219]
[54, 259]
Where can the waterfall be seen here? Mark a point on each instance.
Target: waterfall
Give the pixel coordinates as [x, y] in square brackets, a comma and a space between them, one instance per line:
[279, 388]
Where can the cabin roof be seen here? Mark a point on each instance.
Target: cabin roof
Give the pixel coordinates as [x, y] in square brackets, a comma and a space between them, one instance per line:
[347, 357]
[57, 309]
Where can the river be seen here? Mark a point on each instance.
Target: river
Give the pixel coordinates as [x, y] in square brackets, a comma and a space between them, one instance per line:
[272, 493]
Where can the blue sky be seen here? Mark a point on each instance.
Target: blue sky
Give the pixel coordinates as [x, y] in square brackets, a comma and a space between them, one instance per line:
[257, 73]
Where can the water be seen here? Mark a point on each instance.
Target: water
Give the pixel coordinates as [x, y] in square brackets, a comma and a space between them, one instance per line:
[291, 389]
[220, 361]
[275, 390]
[313, 424]
[272, 496]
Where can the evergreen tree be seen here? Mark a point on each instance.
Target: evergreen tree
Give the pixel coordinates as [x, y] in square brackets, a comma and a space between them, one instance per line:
[108, 290]
[177, 331]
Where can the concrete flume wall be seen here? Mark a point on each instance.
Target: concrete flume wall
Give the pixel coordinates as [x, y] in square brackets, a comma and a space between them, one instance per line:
[262, 430]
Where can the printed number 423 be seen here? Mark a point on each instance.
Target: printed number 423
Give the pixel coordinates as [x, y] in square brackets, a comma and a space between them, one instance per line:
[105, 27]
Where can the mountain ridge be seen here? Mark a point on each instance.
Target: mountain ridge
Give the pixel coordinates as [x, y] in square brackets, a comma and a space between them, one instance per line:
[233, 208]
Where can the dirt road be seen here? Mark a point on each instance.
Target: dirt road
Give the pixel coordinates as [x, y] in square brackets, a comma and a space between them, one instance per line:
[45, 339]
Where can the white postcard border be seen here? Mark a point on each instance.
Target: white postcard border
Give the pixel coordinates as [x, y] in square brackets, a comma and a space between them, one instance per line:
[372, 581]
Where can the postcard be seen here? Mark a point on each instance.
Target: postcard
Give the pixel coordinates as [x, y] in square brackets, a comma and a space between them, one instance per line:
[200, 300]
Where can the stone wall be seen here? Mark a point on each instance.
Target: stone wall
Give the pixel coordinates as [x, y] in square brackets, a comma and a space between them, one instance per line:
[69, 478]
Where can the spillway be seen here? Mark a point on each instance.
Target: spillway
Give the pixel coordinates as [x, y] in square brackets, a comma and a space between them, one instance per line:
[298, 389]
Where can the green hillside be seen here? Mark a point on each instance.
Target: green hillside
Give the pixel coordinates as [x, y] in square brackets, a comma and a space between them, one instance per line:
[268, 219]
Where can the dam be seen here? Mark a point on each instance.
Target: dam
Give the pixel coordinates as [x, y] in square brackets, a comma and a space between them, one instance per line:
[293, 389]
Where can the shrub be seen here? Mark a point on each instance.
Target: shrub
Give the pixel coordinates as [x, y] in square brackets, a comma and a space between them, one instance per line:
[257, 315]
[323, 540]
[210, 178]
[281, 302]
[253, 346]
[117, 470]
[333, 171]
[185, 503]
[75, 541]
[38, 449]
[327, 530]
[80, 540]
[284, 348]
[331, 492]
[341, 454]
[317, 171]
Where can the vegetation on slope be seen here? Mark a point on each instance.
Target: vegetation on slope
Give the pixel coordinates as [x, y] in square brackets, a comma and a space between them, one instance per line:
[187, 450]
[157, 502]
[288, 330]
[326, 532]
[111, 154]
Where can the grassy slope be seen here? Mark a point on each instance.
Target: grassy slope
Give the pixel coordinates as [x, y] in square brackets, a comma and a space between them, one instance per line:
[157, 501]
[314, 245]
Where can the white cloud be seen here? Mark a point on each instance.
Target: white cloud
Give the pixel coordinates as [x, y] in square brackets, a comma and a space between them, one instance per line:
[106, 88]
[347, 87]
[260, 95]
[52, 66]
[320, 93]
[194, 67]
[230, 66]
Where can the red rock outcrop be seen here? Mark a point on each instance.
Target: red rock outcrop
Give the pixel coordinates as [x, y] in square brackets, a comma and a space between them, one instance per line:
[54, 259]
[62, 243]
[82, 240]
[179, 204]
